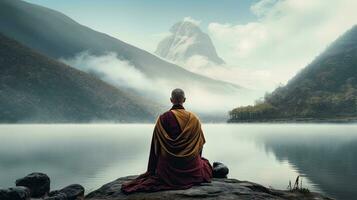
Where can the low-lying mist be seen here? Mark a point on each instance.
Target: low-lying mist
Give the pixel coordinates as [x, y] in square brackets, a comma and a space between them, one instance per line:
[122, 74]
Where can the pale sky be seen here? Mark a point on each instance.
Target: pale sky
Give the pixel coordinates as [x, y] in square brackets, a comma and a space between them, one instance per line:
[264, 42]
[142, 22]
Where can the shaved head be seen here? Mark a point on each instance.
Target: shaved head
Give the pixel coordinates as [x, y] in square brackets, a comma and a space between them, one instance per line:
[178, 96]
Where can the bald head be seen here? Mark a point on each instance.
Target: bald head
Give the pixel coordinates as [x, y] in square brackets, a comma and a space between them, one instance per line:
[178, 96]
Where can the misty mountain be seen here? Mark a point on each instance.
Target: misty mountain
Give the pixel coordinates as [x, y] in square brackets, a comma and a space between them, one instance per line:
[326, 88]
[35, 88]
[58, 36]
[185, 41]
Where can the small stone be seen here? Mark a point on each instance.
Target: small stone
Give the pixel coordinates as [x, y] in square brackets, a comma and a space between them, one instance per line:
[38, 184]
[15, 193]
[220, 170]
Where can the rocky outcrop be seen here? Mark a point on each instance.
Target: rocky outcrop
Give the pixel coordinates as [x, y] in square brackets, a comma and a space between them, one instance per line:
[218, 189]
[37, 185]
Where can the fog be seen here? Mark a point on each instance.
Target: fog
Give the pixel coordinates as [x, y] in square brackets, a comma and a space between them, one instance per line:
[258, 80]
[122, 74]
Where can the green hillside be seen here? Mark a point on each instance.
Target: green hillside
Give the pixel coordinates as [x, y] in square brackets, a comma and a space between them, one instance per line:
[325, 89]
[38, 89]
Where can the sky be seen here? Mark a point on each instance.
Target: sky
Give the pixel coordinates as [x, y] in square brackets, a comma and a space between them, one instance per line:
[264, 42]
[144, 22]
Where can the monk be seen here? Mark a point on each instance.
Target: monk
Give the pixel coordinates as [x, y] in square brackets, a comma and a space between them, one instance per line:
[175, 160]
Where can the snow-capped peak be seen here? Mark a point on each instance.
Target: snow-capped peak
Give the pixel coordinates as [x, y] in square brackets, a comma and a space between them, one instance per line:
[185, 41]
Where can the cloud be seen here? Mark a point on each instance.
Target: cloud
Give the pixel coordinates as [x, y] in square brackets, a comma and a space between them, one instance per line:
[122, 74]
[112, 70]
[286, 37]
[193, 21]
[255, 79]
[261, 8]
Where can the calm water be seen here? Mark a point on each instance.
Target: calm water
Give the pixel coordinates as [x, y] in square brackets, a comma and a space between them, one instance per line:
[326, 155]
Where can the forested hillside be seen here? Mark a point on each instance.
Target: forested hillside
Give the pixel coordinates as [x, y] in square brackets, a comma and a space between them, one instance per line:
[325, 89]
[35, 88]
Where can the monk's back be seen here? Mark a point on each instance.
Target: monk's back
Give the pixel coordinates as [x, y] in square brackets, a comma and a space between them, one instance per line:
[175, 160]
[179, 160]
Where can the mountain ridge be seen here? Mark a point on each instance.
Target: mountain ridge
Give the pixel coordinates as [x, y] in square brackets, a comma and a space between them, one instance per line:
[28, 28]
[38, 89]
[325, 89]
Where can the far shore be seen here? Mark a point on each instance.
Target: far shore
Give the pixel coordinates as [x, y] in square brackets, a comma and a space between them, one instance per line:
[351, 120]
[300, 120]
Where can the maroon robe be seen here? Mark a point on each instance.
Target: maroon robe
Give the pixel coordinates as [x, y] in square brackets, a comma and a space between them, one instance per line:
[166, 173]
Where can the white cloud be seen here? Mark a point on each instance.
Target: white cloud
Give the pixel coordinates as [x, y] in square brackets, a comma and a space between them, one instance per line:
[190, 19]
[111, 69]
[263, 7]
[286, 37]
[255, 79]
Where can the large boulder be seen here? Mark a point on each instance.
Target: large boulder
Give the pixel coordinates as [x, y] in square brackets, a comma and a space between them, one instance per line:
[15, 193]
[71, 192]
[38, 183]
[218, 189]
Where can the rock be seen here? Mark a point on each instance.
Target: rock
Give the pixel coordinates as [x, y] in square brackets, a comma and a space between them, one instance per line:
[71, 192]
[15, 193]
[38, 183]
[60, 196]
[218, 189]
[220, 170]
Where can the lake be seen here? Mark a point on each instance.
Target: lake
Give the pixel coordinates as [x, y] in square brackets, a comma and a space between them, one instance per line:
[269, 154]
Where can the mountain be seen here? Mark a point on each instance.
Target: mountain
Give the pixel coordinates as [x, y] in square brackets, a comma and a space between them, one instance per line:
[35, 88]
[58, 36]
[326, 88]
[185, 41]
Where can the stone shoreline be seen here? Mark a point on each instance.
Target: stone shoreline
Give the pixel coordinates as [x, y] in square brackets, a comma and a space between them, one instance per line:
[36, 186]
[219, 188]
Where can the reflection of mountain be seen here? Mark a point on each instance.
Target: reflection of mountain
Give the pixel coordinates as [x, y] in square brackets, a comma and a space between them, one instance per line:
[58, 36]
[329, 162]
[187, 40]
[35, 88]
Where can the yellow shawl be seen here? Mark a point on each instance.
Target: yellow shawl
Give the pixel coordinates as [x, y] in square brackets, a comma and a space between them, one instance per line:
[190, 141]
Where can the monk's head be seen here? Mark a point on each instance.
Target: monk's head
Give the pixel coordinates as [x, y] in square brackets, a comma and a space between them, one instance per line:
[178, 96]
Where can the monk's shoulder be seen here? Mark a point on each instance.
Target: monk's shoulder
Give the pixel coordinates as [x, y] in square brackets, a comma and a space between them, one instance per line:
[193, 115]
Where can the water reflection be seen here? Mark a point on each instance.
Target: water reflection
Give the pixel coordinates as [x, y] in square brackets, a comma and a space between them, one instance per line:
[268, 154]
[326, 154]
[72, 153]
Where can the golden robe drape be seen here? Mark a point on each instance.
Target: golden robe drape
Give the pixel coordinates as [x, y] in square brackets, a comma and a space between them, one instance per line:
[188, 144]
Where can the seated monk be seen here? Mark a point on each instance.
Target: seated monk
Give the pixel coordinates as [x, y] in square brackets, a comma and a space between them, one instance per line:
[175, 160]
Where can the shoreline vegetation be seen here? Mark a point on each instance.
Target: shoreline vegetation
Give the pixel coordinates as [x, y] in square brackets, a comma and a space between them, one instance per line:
[338, 120]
